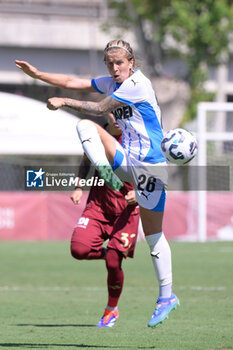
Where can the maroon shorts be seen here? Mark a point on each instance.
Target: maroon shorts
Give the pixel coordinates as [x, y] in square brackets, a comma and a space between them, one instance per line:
[95, 227]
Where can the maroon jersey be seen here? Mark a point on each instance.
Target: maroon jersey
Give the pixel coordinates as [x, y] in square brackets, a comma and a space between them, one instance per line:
[107, 215]
[108, 201]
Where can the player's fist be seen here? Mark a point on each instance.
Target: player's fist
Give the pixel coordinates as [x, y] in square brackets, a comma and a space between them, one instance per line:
[130, 197]
[55, 102]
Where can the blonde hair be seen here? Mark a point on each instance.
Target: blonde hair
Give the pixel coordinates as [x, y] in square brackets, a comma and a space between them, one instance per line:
[120, 44]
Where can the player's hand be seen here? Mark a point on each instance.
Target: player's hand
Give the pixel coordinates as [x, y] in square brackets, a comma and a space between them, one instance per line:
[55, 102]
[130, 197]
[27, 68]
[76, 196]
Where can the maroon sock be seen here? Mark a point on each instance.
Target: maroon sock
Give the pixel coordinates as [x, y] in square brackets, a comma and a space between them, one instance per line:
[81, 251]
[115, 276]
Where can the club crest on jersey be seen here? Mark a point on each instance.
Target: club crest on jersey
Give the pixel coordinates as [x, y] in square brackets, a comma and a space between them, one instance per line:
[123, 112]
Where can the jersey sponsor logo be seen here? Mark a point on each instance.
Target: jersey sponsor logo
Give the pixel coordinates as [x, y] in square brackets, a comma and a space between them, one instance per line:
[134, 82]
[123, 112]
[82, 222]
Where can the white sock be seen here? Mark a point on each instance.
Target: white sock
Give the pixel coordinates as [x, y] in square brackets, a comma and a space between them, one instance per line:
[91, 142]
[161, 258]
[111, 308]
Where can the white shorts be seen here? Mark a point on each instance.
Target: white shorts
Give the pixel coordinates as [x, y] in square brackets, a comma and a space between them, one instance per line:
[150, 180]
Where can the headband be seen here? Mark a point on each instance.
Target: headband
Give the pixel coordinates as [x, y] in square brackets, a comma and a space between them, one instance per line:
[119, 47]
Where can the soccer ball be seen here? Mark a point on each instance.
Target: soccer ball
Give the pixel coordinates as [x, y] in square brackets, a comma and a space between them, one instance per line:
[179, 146]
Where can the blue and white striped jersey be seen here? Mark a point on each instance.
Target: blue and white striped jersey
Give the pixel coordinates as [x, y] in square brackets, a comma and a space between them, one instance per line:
[140, 117]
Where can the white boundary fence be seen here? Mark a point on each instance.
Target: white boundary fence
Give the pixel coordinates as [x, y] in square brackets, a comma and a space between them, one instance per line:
[203, 136]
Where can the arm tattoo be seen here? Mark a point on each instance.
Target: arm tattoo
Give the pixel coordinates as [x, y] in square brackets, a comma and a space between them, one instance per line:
[93, 108]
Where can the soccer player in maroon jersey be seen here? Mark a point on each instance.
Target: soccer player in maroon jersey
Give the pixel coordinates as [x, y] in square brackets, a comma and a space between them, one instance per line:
[109, 215]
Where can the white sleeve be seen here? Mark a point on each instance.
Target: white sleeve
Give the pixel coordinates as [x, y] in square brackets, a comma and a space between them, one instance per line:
[101, 85]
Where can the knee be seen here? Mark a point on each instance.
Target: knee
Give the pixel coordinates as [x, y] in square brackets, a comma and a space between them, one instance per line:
[79, 251]
[84, 124]
[113, 259]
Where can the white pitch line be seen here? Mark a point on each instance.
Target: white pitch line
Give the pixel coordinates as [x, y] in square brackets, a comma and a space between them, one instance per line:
[226, 250]
[96, 289]
[17, 288]
[202, 288]
[48, 288]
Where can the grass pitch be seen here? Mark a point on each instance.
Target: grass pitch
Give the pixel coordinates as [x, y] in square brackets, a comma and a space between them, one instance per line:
[51, 301]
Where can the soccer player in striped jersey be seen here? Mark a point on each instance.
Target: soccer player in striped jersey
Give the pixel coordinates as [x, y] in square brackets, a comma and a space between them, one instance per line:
[131, 98]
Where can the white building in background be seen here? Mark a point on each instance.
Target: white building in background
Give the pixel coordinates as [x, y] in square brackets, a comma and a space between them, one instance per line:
[65, 36]
[54, 35]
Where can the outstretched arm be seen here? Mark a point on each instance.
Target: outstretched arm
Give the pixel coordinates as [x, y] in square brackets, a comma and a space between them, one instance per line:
[87, 107]
[60, 80]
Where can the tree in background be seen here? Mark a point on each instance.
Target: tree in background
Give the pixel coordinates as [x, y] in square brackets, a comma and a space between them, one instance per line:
[198, 31]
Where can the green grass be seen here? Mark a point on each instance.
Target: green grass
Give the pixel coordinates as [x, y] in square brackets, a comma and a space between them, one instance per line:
[51, 301]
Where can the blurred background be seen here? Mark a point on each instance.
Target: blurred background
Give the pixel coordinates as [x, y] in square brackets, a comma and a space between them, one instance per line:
[186, 49]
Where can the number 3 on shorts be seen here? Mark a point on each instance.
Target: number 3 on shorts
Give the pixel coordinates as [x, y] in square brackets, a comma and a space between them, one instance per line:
[125, 238]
